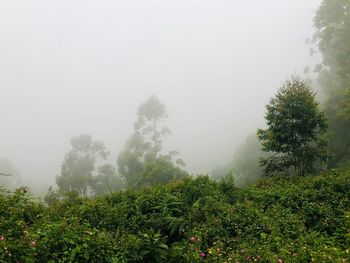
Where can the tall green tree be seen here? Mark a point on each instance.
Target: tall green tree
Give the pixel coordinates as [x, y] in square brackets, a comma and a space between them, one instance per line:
[295, 129]
[332, 22]
[79, 164]
[141, 162]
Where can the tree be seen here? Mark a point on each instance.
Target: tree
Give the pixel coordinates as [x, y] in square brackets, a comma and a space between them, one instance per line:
[244, 168]
[141, 162]
[150, 114]
[79, 164]
[162, 171]
[332, 22]
[245, 165]
[107, 180]
[296, 126]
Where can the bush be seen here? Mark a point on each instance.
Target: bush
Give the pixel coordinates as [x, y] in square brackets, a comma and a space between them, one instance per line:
[299, 219]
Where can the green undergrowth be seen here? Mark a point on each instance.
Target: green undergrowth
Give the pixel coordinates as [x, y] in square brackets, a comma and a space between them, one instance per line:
[294, 219]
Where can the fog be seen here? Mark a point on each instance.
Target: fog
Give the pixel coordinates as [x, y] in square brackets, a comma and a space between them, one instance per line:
[73, 67]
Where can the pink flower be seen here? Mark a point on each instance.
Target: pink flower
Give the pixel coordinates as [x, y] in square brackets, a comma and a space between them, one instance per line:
[279, 260]
[193, 239]
[2, 238]
[202, 255]
[33, 243]
[247, 258]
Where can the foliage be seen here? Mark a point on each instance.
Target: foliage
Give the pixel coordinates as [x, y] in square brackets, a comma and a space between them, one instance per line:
[153, 248]
[245, 167]
[141, 163]
[245, 164]
[18, 215]
[281, 219]
[295, 129]
[162, 171]
[150, 114]
[332, 22]
[77, 171]
[106, 180]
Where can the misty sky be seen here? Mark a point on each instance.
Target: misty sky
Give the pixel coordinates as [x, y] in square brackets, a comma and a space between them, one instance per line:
[81, 66]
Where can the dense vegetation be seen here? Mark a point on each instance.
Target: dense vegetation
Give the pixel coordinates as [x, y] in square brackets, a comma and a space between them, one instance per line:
[294, 219]
[332, 38]
[296, 125]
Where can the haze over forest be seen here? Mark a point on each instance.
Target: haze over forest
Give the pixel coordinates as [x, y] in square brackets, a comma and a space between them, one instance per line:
[73, 67]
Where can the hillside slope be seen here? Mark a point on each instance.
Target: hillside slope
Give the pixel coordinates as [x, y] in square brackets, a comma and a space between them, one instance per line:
[298, 219]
